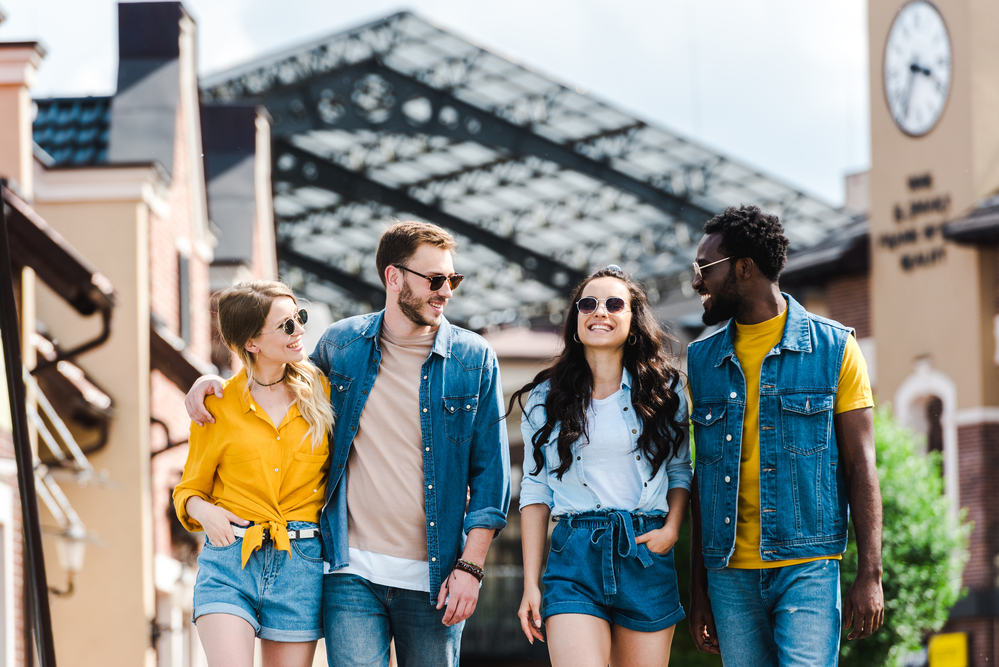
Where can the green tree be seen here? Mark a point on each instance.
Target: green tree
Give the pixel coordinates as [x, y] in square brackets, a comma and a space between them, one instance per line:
[924, 549]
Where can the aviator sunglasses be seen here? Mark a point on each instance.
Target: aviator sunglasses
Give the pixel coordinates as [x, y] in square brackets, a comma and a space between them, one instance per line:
[698, 268]
[288, 326]
[588, 304]
[436, 282]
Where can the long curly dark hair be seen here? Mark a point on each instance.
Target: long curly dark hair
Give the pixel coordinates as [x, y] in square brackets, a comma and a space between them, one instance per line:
[655, 382]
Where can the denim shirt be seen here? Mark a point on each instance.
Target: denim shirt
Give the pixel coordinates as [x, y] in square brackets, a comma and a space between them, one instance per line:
[803, 502]
[571, 495]
[466, 452]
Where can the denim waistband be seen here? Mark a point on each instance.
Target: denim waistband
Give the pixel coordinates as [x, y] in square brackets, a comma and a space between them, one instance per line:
[614, 535]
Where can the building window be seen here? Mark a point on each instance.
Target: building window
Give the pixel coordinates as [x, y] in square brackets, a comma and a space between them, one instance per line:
[184, 297]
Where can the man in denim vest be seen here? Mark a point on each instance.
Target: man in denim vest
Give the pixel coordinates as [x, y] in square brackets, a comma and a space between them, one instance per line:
[784, 438]
[419, 479]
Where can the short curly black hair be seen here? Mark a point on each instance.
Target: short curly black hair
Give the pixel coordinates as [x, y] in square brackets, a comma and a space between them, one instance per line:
[746, 231]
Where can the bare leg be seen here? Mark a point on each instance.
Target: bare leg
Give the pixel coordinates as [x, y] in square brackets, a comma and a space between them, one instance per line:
[287, 654]
[578, 640]
[227, 640]
[630, 648]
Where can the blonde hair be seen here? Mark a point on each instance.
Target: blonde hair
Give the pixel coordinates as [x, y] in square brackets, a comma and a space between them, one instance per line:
[243, 310]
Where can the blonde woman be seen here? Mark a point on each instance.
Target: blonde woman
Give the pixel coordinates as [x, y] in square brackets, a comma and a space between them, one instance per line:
[255, 481]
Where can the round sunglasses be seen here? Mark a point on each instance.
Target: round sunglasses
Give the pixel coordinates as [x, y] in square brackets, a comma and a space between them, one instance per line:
[589, 304]
[288, 326]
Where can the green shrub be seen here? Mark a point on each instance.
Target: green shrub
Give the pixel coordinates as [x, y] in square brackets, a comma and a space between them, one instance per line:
[923, 549]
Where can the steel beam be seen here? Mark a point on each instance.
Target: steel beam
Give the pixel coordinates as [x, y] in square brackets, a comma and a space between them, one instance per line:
[334, 102]
[354, 285]
[310, 170]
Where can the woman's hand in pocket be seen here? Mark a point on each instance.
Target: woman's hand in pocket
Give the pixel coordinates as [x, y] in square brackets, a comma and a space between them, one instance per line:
[659, 541]
[216, 521]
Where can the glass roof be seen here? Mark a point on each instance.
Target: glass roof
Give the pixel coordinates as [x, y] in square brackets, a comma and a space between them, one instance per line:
[535, 166]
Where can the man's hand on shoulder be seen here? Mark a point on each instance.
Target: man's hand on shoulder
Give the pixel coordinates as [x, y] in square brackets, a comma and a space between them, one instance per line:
[864, 606]
[194, 403]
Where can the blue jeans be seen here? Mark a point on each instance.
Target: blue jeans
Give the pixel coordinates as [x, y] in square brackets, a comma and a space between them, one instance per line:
[361, 619]
[787, 616]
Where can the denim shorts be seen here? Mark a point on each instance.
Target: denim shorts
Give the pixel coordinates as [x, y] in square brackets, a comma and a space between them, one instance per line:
[281, 597]
[595, 568]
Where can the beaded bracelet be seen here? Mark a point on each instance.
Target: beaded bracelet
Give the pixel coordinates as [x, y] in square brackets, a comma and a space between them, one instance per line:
[471, 568]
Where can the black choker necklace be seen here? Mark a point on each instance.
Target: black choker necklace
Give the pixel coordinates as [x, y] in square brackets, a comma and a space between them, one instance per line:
[275, 382]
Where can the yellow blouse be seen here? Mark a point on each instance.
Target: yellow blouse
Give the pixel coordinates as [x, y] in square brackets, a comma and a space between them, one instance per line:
[258, 472]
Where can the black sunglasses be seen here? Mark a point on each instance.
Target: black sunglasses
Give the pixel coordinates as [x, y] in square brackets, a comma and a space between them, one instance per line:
[588, 304]
[288, 326]
[436, 282]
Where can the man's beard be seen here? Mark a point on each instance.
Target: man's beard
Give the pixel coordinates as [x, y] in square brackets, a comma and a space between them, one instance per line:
[412, 307]
[724, 303]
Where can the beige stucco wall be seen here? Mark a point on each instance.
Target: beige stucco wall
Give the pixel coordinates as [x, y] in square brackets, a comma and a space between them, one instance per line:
[943, 312]
[107, 619]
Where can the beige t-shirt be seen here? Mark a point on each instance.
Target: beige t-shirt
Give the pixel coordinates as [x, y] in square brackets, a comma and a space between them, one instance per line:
[386, 511]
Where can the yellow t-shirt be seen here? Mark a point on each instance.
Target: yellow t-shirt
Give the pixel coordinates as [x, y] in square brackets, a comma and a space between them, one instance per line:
[258, 471]
[752, 343]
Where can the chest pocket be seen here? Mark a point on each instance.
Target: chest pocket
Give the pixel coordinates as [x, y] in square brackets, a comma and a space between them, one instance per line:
[709, 433]
[807, 422]
[459, 418]
[339, 388]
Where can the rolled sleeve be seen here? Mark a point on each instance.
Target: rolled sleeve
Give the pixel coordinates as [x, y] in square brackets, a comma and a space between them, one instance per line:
[678, 468]
[199, 473]
[489, 460]
[534, 489]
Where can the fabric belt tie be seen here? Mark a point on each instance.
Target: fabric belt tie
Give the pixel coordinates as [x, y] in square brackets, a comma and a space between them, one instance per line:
[253, 538]
[615, 537]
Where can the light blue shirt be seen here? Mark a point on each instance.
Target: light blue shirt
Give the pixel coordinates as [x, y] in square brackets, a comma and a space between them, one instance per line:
[572, 495]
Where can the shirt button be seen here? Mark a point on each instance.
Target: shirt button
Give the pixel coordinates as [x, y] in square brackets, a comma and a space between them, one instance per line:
[468, 407]
[341, 387]
[645, 484]
[424, 409]
[364, 391]
[431, 524]
[728, 520]
[427, 448]
[424, 377]
[578, 458]
[638, 457]
[584, 483]
[727, 478]
[598, 506]
[732, 395]
[315, 490]
[626, 409]
[708, 416]
[728, 437]
[634, 430]
[433, 559]
[430, 486]
[279, 437]
[276, 469]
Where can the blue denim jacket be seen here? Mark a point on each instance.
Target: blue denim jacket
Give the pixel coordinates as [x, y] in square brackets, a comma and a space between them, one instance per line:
[803, 498]
[466, 452]
[571, 495]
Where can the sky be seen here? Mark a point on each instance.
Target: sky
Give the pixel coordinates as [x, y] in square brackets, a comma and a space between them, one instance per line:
[781, 85]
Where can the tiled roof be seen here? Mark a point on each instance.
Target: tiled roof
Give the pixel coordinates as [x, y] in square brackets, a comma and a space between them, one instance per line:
[73, 130]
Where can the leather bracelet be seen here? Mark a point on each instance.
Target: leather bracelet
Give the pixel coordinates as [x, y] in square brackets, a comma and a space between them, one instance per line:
[470, 568]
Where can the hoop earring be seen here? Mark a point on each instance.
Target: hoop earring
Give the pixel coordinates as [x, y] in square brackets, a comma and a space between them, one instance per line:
[575, 337]
[632, 339]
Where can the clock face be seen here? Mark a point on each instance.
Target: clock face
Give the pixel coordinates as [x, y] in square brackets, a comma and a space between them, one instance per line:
[917, 67]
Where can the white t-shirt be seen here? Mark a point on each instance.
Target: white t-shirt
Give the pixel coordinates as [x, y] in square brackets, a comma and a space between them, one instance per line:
[609, 463]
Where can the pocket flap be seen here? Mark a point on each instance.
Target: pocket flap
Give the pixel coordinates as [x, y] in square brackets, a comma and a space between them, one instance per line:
[453, 406]
[807, 404]
[707, 415]
[338, 383]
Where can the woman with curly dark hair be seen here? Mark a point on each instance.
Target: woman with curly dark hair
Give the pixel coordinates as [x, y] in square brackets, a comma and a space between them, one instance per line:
[607, 454]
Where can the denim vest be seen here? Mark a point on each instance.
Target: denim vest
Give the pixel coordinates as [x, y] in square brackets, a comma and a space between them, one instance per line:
[466, 461]
[803, 502]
